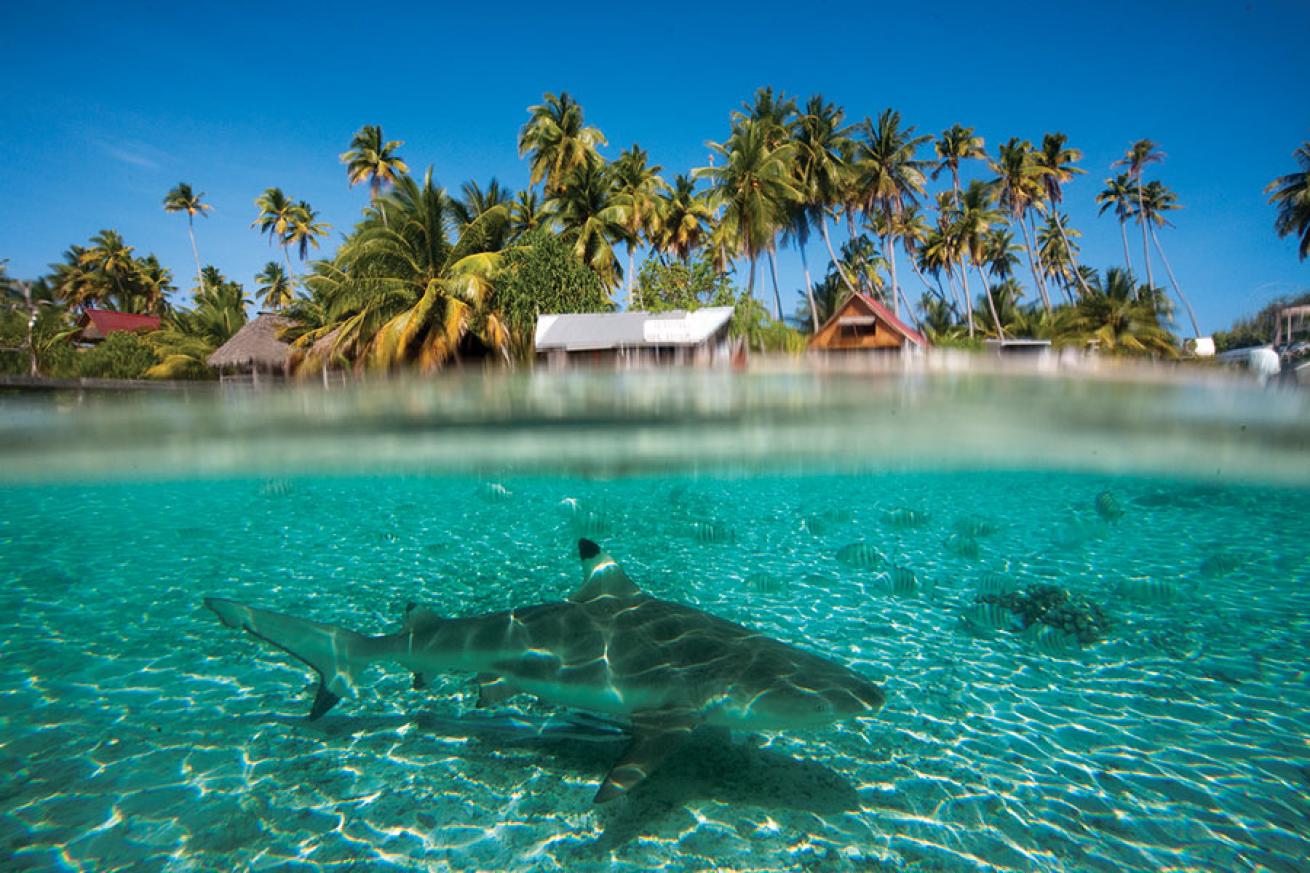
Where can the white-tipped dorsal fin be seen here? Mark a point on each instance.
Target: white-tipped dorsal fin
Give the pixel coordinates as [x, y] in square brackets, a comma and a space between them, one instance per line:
[601, 576]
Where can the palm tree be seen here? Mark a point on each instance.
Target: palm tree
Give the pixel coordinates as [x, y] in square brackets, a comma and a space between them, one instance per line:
[1156, 200]
[78, 283]
[753, 186]
[974, 217]
[373, 160]
[1122, 317]
[306, 229]
[1059, 253]
[112, 257]
[526, 213]
[957, 143]
[1141, 153]
[773, 115]
[1057, 161]
[274, 286]
[277, 216]
[150, 283]
[1291, 194]
[183, 199]
[1018, 182]
[637, 188]
[591, 218]
[477, 200]
[557, 142]
[684, 219]
[822, 144]
[402, 291]
[889, 177]
[1120, 193]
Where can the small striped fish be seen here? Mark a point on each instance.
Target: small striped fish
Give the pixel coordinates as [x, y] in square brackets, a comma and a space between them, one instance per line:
[996, 583]
[1147, 589]
[1049, 640]
[905, 517]
[494, 492]
[276, 488]
[1107, 506]
[860, 556]
[1220, 564]
[903, 580]
[715, 532]
[766, 583]
[987, 618]
[962, 546]
[1077, 533]
[814, 525]
[975, 526]
[590, 524]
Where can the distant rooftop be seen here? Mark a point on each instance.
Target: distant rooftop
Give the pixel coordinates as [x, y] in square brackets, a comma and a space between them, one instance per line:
[97, 324]
[633, 330]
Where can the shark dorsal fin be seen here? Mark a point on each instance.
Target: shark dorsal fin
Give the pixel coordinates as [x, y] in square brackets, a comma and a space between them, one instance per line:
[601, 575]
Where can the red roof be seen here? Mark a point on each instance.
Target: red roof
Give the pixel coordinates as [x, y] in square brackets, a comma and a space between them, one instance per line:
[99, 323]
[883, 314]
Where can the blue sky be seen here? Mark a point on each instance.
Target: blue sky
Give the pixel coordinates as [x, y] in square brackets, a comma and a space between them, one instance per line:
[104, 108]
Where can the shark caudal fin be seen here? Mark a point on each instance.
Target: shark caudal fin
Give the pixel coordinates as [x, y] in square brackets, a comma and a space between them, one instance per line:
[335, 653]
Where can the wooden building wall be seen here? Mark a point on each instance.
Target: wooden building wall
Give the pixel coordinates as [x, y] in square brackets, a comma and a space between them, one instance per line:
[835, 335]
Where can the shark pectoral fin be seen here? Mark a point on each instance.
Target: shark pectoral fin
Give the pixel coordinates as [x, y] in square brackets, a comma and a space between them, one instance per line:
[601, 575]
[655, 735]
[493, 689]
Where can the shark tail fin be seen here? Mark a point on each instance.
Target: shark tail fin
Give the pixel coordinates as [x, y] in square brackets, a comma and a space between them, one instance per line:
[336, 654]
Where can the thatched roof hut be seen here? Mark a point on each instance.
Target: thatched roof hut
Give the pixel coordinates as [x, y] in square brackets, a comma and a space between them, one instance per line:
[256, 347]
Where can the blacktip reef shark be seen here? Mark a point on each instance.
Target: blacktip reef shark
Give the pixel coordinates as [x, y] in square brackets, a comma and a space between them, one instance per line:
[609, 648]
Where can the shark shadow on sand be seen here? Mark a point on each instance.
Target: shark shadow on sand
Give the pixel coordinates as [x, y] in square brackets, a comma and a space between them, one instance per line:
[711, 765]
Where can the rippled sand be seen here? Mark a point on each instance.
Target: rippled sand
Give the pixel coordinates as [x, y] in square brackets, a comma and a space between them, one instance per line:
[137, 733]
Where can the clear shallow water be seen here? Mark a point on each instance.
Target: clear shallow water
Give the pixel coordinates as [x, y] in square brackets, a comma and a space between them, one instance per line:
[138, 733]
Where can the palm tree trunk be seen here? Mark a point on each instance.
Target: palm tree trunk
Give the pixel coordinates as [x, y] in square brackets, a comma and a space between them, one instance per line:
[809, 289]
[1037, 259]
[777, 298]
[1141, 218]
[1191, 315]
[191, 230]
[889, 245]
[1082, 283]
[991, 304]
[1128, 263]
[628, 278]
[968, 300]
[1032, 265]
[286, 256]
[841, 270]
[750, 280]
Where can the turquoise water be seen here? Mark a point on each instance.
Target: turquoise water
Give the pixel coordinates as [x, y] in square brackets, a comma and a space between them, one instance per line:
[138, 733]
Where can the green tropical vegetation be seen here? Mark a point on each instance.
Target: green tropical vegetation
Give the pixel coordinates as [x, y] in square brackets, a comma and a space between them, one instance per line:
[962, 241]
